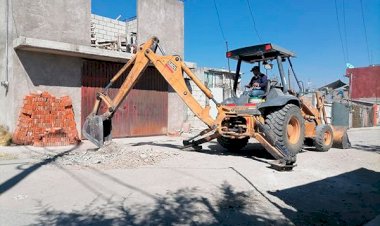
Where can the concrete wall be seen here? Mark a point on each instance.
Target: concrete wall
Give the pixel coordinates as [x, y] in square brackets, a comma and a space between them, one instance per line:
[56, 20]
[194, 122]
[58, 75]
[215, 79]
[107, 29]
[165, 19]
[6, 103]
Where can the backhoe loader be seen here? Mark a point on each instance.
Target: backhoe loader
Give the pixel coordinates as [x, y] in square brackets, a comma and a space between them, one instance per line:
[318, 132]
[277, 123]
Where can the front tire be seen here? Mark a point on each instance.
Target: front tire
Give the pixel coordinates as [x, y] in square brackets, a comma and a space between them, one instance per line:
[288, 128]
[323, 138]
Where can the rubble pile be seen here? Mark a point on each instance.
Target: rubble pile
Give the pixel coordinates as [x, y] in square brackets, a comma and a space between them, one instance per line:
[114, 156]
[45, 120]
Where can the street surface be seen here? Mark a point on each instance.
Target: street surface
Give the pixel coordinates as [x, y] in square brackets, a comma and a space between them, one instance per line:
[150, 181]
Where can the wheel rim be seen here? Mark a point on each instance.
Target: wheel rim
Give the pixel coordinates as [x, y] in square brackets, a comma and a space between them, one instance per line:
[293, 130]
[327, 137]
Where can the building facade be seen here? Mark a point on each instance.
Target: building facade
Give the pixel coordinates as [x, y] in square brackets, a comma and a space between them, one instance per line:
[49, 46]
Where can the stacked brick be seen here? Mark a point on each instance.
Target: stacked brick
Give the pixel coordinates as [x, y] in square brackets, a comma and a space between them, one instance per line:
[46, 121]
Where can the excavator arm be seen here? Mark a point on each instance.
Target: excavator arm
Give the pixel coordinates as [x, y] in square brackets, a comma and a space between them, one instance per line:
[97, 128]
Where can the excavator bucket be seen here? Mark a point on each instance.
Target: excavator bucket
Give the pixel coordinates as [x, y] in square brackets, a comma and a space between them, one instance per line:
[341, 137]
[97, 130]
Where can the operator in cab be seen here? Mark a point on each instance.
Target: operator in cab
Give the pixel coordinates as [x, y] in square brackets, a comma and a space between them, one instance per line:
[258, 83]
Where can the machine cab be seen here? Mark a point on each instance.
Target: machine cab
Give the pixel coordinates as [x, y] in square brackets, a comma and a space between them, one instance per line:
[262, 56]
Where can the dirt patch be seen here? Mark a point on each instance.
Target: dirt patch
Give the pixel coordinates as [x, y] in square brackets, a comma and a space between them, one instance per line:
[114, 155]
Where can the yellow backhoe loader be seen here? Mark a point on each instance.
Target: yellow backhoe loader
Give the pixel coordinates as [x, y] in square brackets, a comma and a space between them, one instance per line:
[278, 123]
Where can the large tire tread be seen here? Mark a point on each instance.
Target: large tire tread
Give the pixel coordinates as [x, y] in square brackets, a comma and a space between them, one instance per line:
[277, 121]
[319, 141]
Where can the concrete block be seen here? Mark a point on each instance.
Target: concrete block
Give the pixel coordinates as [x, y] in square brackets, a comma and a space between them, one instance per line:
[106, 37]
[97, 17]
[110, 33]
[100, 27]
[102, 23]
[108, 29]
[119, 27]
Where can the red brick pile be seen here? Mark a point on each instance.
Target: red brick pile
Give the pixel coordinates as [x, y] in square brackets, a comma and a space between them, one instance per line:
[46, 121]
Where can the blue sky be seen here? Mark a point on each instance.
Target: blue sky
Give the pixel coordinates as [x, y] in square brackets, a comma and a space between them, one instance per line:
[307, 27]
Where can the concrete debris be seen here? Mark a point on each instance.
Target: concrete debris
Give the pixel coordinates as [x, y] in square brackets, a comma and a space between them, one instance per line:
[115, 156]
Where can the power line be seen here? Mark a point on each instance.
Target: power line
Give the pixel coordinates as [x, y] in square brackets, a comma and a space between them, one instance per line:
[345, 30]
[220, 24]
[340, 33]
[365, 32]
[253, 20]
[222, 32]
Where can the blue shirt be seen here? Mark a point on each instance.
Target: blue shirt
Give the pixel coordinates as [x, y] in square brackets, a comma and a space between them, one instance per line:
[261, 79]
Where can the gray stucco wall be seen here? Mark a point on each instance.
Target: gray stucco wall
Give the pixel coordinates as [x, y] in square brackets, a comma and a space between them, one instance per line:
[56, 20]
[6, 95]
[165, 19]
[65, 21]
[58, 75]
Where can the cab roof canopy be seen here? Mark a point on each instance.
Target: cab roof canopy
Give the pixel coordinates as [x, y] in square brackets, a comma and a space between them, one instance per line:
[252, 54]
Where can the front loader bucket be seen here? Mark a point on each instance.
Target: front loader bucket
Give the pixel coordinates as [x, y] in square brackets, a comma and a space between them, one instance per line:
[97, 130]
[341, 137]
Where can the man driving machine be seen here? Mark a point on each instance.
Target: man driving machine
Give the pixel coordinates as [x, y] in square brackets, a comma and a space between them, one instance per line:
[258, 83]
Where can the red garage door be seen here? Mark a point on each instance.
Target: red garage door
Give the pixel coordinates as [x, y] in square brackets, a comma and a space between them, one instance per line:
[145, 110]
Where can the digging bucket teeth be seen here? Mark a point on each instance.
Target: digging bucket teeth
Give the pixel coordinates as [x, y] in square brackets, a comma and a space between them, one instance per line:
[97, 130]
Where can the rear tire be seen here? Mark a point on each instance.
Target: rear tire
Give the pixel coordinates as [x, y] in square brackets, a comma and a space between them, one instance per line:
[288, 128]
[323, 138]
[232, 144]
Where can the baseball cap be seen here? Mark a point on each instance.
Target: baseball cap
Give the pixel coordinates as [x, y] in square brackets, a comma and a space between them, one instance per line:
[255, 68]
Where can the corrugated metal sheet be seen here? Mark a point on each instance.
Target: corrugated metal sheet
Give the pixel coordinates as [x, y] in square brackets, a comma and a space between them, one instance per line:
[340, 114]
[145, 110]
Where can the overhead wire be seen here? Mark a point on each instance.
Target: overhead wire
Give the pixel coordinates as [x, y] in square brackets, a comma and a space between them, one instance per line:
[365, 33]
[220, 24]
[222, 32]
[253, 20]
[345, 31]
[340, 33]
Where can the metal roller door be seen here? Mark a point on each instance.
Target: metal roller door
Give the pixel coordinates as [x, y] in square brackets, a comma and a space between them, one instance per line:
[145, 110]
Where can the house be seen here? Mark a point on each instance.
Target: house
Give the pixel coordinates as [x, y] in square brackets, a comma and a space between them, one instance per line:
[62, 48]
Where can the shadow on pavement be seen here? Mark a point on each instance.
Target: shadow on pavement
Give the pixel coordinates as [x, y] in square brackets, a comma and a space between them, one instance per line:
[351, 198]
[249, 151]
[157, 144]
[375, 148]
[181, 207]
[8, 184]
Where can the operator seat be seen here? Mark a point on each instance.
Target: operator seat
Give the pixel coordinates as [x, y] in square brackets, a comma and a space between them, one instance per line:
[266, 90]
